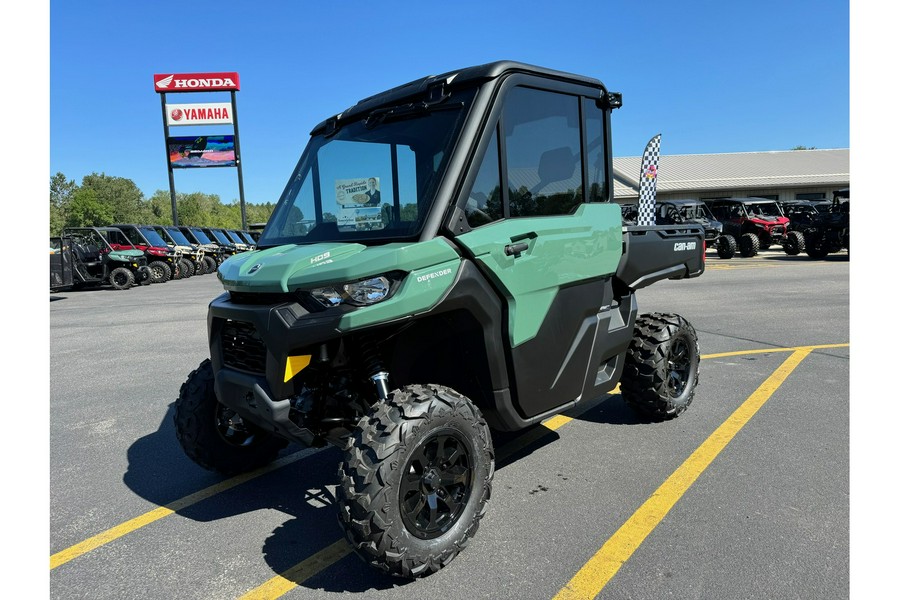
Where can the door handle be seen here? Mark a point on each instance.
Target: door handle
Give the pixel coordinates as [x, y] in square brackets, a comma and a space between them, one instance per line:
[515, 250]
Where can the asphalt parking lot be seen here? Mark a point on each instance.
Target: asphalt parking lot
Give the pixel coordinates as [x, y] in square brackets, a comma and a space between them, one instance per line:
[745, 495]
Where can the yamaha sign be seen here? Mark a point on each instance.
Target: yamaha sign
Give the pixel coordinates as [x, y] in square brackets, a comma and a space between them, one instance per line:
[196, 82]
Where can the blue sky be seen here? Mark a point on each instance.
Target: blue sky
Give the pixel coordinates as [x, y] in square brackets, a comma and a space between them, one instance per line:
[709, 76]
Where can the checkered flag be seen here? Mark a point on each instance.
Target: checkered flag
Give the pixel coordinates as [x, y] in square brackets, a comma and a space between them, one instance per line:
[647, 194]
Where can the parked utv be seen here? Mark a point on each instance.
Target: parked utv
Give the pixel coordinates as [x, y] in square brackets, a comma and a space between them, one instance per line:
[162, 261]
[674, 212]
[757, 223]
[191, 255]
[832, 233]
[227, 247]
[95, 262]
[445, 261]
[803, 216]
[210, 251]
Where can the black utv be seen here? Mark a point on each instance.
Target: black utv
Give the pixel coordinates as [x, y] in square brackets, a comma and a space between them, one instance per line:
[832, 232]
[674, 212]
[445, 262]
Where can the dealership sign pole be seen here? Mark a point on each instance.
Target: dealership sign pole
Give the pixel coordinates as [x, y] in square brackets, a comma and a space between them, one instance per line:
[206, 150]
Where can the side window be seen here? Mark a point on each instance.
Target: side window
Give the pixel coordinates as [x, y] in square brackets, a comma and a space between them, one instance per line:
[543, 149]
[485, 203]
[596, 155]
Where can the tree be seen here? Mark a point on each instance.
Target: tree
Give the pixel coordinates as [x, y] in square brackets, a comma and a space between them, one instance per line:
[122, 199]
[804, 148]
[61, 192]
[86, 210]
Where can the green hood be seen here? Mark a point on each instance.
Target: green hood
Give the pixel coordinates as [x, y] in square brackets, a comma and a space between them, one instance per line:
[125, 255]
[289, 267]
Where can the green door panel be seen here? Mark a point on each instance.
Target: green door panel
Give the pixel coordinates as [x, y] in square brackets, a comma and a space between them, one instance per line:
[561, 251]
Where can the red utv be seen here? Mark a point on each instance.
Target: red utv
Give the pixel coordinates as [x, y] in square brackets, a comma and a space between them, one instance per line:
[757, 223]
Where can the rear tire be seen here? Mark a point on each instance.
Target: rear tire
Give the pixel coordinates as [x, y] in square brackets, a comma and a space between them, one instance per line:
[726, 246]
[214, 436]
[121, 278]
[662, 363]
[160, 272]
[415, 479]
[211, 264]
[749, 245]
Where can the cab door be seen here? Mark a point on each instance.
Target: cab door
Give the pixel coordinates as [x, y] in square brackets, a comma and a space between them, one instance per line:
[549, 250]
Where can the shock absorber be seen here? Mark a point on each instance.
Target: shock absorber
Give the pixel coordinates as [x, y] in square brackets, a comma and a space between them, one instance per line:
[373, 365]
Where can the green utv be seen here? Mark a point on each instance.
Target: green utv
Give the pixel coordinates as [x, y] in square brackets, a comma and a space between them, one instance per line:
[444, 262]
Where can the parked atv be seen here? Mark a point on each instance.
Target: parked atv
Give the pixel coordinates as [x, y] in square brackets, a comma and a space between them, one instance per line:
[95, 261]
[227, 247]
[420, 285]
[832, 233]
[756, 223]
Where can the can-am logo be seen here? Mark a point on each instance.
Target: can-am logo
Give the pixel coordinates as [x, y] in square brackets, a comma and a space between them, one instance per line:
[196, 82]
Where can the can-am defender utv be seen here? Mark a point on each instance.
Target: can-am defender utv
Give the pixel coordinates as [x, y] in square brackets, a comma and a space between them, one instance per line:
[96, 262]
[445, 260]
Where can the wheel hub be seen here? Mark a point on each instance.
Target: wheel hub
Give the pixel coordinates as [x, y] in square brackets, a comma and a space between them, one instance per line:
[436, 485]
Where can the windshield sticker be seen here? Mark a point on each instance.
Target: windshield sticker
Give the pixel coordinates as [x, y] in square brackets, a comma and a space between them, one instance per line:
[359, 202]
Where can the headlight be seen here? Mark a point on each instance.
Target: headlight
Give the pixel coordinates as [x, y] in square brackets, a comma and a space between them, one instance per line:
[358, 293]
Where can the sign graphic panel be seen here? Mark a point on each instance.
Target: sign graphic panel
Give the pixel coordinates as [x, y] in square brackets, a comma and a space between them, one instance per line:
[201, 151]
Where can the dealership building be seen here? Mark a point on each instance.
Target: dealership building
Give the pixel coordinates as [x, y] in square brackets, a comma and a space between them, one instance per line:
[781, 175]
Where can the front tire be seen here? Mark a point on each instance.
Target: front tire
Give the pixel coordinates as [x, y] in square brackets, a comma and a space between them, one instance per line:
[160, 272]
[415, 479]
[121, 278]
[793, 243]
[214, 436]
[661, 366]
[749, 245]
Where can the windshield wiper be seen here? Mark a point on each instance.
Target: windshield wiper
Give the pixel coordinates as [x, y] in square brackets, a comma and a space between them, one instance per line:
[406, 111]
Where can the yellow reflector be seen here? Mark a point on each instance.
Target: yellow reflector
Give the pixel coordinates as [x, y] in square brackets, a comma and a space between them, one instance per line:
[294, 365]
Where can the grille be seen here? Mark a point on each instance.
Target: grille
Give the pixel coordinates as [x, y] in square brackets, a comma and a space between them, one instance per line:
[242, 347]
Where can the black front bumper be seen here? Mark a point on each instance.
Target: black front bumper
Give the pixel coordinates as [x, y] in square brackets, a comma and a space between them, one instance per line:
[249, 345]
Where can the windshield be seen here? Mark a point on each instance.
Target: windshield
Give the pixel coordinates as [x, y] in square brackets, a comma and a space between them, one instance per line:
[235, 238]
[201, 237]
[372, 179]
[764, 209]
[696, 211]
[179, 238]
[220, 237]
[153, 237]
[248, 239]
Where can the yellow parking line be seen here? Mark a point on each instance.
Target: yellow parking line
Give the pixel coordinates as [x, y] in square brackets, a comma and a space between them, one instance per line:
[127, 527]
[285, 582]
[596, 573]
[768, 350]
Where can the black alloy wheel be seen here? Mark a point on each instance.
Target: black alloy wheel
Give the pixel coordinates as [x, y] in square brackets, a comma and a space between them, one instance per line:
[436, 485]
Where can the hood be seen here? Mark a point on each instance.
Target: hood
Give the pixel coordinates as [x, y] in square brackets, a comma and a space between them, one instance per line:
[290, 267]
[767, 221]
[126, 255]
